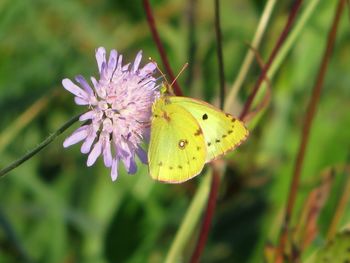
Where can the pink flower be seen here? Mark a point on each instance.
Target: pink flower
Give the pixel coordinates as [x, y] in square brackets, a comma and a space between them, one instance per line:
[119, 104]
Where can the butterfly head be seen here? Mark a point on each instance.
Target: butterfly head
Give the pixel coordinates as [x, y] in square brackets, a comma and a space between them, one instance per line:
[164, 88]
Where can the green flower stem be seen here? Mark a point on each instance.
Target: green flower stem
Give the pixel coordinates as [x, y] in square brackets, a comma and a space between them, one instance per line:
[190, 220]
[37, 149]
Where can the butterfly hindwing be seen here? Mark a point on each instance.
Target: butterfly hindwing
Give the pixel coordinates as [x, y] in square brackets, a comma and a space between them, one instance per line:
[177, 150]
[222, 131]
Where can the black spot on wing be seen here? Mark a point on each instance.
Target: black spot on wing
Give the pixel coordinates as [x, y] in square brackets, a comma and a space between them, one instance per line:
[205, 116]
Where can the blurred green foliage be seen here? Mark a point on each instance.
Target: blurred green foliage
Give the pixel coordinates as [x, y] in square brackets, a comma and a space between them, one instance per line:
[55, 209]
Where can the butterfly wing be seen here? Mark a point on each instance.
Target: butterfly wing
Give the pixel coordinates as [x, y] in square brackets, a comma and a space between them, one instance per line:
[177, 150]
[221, 130]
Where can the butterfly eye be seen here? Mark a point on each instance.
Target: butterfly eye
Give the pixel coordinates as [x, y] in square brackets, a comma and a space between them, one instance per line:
[182, 144]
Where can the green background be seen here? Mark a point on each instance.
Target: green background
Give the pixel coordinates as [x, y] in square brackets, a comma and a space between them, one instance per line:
[55, 209]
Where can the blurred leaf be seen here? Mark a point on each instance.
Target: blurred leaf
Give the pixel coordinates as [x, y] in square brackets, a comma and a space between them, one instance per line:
[337, 250]
[306, 229]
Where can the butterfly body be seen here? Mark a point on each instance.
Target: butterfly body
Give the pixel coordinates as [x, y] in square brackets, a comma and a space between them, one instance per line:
[185, 134]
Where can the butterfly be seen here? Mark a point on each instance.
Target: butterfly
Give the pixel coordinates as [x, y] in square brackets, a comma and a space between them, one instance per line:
[187, 133]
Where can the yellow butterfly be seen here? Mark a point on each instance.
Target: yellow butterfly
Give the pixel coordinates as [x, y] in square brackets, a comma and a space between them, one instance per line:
[187, 133]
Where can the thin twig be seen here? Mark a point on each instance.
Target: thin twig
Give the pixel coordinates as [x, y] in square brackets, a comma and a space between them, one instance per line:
[266, 99]
[37, 149]
[275, 50]
[156, 38]
[204, 231]
[310, 113]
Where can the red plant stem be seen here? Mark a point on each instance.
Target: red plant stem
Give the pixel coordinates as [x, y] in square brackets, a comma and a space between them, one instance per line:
[156, 38]
[310, 113]
[204, 231]
[216, 178]
[275, 50]
[214, 188]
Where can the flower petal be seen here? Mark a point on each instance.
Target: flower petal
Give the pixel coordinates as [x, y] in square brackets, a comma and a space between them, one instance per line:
[94, 82]
[77, 136]
[81, 101]
[120, 61]
[87, 116]
[72, 88]
[100, 57]
[86, 146]
[126, 67]
[148, 69]
[103, 73]
[147, 135]
[112, 61]
[129, 162]
[81, 80]
[137, 61]
[142, 155]
[107, 153]
[95, 153]
[131, 165]
[114, 170]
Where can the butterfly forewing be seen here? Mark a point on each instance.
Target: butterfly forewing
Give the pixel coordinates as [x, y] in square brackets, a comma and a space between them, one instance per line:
[177, 150]
[222, 131]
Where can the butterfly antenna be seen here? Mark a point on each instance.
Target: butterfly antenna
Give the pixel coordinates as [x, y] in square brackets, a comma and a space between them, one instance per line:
[183, 68]
[161, 72]
[168, 87]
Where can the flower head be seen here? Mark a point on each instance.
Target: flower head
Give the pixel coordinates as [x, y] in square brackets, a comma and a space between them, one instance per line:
[119, 106]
